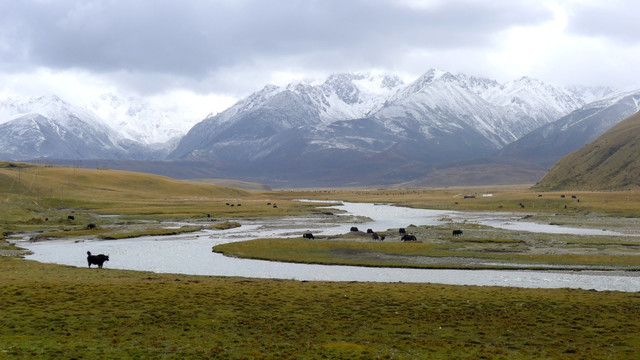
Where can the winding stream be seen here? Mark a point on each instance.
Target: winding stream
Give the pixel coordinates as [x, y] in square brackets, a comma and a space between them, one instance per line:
[191, 253]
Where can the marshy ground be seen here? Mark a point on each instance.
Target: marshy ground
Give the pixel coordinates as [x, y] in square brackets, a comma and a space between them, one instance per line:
[479, 246]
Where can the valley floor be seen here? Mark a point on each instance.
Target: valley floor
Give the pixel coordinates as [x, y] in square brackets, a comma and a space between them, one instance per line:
[479, 247]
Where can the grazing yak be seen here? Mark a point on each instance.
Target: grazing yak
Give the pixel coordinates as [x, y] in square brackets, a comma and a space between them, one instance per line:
[408, 237]
[457, 233]
[353, 228]
[96, 259]
[402, 231]
[374, 236]
[308, 235]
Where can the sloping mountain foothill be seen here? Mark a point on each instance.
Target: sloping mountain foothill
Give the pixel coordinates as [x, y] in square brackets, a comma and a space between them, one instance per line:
[610, 162]
[350, 130]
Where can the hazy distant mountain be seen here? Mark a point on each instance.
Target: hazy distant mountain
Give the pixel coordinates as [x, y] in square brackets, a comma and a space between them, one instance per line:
[50, 127]
[364, 129]
[547, 144]
[610, 162]
[136, 119]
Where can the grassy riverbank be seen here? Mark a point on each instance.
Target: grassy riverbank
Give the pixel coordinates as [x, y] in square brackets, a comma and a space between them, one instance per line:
[56, 312]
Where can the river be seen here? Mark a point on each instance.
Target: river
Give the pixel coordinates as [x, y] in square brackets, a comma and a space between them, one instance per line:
[191, 253]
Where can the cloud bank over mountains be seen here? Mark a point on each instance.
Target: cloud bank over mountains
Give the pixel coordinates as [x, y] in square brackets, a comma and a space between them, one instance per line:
[208, 54]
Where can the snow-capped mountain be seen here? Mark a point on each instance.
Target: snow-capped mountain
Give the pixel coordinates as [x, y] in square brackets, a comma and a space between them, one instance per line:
[47, 126]
[138, 120]
[348, 120]
[347, 129]
[550, 142]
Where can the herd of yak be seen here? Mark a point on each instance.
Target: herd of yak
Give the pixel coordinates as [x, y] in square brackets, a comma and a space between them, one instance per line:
[375, 236]
[101, 258]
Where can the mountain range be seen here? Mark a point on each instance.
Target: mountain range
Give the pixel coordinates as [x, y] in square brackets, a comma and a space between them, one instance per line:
[348, 130]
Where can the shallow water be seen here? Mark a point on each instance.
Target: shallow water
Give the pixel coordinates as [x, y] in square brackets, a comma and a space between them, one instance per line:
[191, 253]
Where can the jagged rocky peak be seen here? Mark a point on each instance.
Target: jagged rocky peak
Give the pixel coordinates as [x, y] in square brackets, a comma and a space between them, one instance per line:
[391, 81]
[477, 85]
[342, 85]
[430, 76]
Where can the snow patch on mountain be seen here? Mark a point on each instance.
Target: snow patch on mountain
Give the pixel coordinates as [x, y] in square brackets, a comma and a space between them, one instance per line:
[137, 119]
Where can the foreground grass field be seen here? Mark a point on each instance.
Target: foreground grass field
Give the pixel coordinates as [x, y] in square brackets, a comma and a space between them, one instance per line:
[55, 312]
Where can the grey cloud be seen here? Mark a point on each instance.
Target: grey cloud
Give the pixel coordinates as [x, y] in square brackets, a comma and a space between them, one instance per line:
[615, 20]
[195, 38]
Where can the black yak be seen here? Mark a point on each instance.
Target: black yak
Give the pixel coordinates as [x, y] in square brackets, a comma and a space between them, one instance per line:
[408, 238]
[353, 228]
[96, 259]
[308, 235]
[457, 232]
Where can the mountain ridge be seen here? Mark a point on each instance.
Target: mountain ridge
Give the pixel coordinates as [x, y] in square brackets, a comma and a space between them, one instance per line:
[321, 133]
[439, 117]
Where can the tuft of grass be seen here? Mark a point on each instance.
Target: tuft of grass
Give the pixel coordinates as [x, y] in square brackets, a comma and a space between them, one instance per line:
[224, 225]
[150, 232]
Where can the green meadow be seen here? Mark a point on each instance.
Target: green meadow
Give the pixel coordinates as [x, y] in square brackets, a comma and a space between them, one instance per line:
[54, 311]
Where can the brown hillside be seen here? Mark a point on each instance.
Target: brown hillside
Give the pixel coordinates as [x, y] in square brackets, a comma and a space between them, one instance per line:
[611, 162]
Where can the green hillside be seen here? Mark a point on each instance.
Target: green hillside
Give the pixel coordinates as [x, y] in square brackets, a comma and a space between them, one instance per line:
[37, 197]
[611, 162]
[100, 184]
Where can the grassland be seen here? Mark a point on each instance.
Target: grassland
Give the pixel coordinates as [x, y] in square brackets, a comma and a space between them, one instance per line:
[467, 253]
[52, 311]
[40, 199]
[503, 198]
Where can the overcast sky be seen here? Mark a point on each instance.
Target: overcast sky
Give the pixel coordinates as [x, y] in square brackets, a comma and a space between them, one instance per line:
[205, 55]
